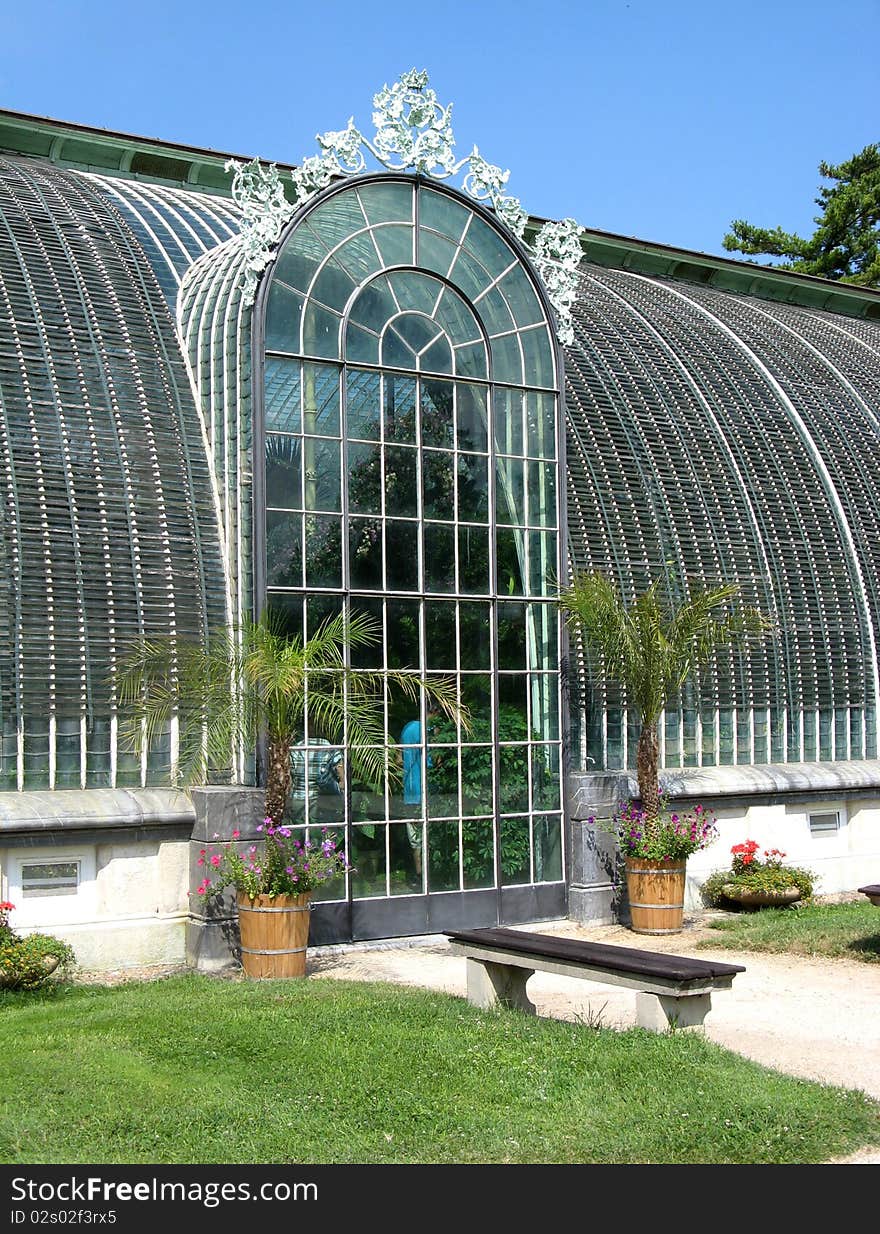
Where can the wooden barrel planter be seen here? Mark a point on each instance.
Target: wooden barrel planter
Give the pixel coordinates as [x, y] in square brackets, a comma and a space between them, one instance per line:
[274, 935]
[656, 895]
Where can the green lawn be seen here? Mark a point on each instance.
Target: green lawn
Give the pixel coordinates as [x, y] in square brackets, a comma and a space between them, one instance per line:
[195, 1070]
[850, 930]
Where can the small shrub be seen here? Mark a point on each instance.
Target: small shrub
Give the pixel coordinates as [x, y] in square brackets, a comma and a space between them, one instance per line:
[23, 960]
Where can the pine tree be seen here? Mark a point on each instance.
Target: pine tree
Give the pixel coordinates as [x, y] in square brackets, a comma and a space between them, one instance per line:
[846, 243]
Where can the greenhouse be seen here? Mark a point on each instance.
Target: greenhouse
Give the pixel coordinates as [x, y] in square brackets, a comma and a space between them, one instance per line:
[370, 396]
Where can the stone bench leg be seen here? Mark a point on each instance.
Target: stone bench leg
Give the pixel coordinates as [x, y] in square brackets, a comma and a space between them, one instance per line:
[498, 985]
[658, 1012]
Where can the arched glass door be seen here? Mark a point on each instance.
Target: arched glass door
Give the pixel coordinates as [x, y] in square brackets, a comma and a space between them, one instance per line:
[409, 429]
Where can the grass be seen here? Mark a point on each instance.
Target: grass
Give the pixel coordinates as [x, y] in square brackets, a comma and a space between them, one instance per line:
[195, 1070]
[850, 930]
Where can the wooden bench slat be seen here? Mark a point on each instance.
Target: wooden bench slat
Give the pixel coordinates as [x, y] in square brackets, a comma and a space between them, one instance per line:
[872, 889]
[598, 955]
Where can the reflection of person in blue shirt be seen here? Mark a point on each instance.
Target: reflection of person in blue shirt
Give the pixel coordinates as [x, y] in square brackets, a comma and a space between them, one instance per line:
[411, 741]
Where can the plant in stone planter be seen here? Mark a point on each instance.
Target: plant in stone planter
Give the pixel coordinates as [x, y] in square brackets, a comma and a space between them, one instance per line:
[274, 881]
[757, 882]
[27, 961]
[650, 647]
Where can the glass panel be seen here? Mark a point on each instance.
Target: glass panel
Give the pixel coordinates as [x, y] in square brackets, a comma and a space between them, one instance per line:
[469, 276]
[473, 560]
[438, 484]
[386, 202]
[415, 292]
[541, 424]
[436, 252]
[443, 778]
[400, 481]
[374, 306]
[407, 841]
[297, 263]
[473, 488]
[509, 561]
[494, 312]
[476, 636]
[325, 768]
[515, 855]
[364, 478]
[442, 213]
[360, 346]
[402, 555]
[545, 706]
[283, 472]
[546, 786]
[478, 852]
[438, 358]
[282, 391]
[395, 244]
[321, 400]
[367, 855]
[415, 330]
[403, 634]
[471, 361]
[400, 408]
[283, 319]
[543, 569]
[512, 712]
[362, 404]
[437, 413]
[508, 421]
[471, 418]
[548, 848]
[511, 636]
[319, 610]
[520, 295]
[337, 218]
[321, 487]
[538, 357]
[365, 553]
[542, 494]
[456, 318]
[284, 557]
[507, 359]
[439, 557]
[358, 255]
[488, 247]
[323, 550]
[320, 332]
[509, 491]
[287, 611]
[543, 637]
[396, 353]
[476, 695]
[513, 771]
[333, 286]
[443, 861]
[476, 779]
[440, 634]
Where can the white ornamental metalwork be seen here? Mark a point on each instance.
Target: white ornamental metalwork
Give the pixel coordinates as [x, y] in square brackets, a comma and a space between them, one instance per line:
[413, 133]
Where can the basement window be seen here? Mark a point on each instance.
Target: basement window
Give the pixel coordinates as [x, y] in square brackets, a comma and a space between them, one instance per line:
[57, 878]
[825, 824]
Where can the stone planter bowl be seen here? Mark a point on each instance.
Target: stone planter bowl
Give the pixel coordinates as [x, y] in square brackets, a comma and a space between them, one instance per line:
[761, 899]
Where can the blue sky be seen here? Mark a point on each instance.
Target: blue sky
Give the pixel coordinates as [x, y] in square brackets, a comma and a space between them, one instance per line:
[662, 119]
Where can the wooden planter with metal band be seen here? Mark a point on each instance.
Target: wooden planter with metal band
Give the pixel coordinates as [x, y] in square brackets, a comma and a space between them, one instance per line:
[656, 895]
[274, 935]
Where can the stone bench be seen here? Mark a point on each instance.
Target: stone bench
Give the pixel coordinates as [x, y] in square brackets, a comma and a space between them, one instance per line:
[872, 892]
[671, 990]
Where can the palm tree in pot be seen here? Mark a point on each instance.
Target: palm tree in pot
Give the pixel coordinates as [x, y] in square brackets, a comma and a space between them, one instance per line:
[650, 648]
[254, 684]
